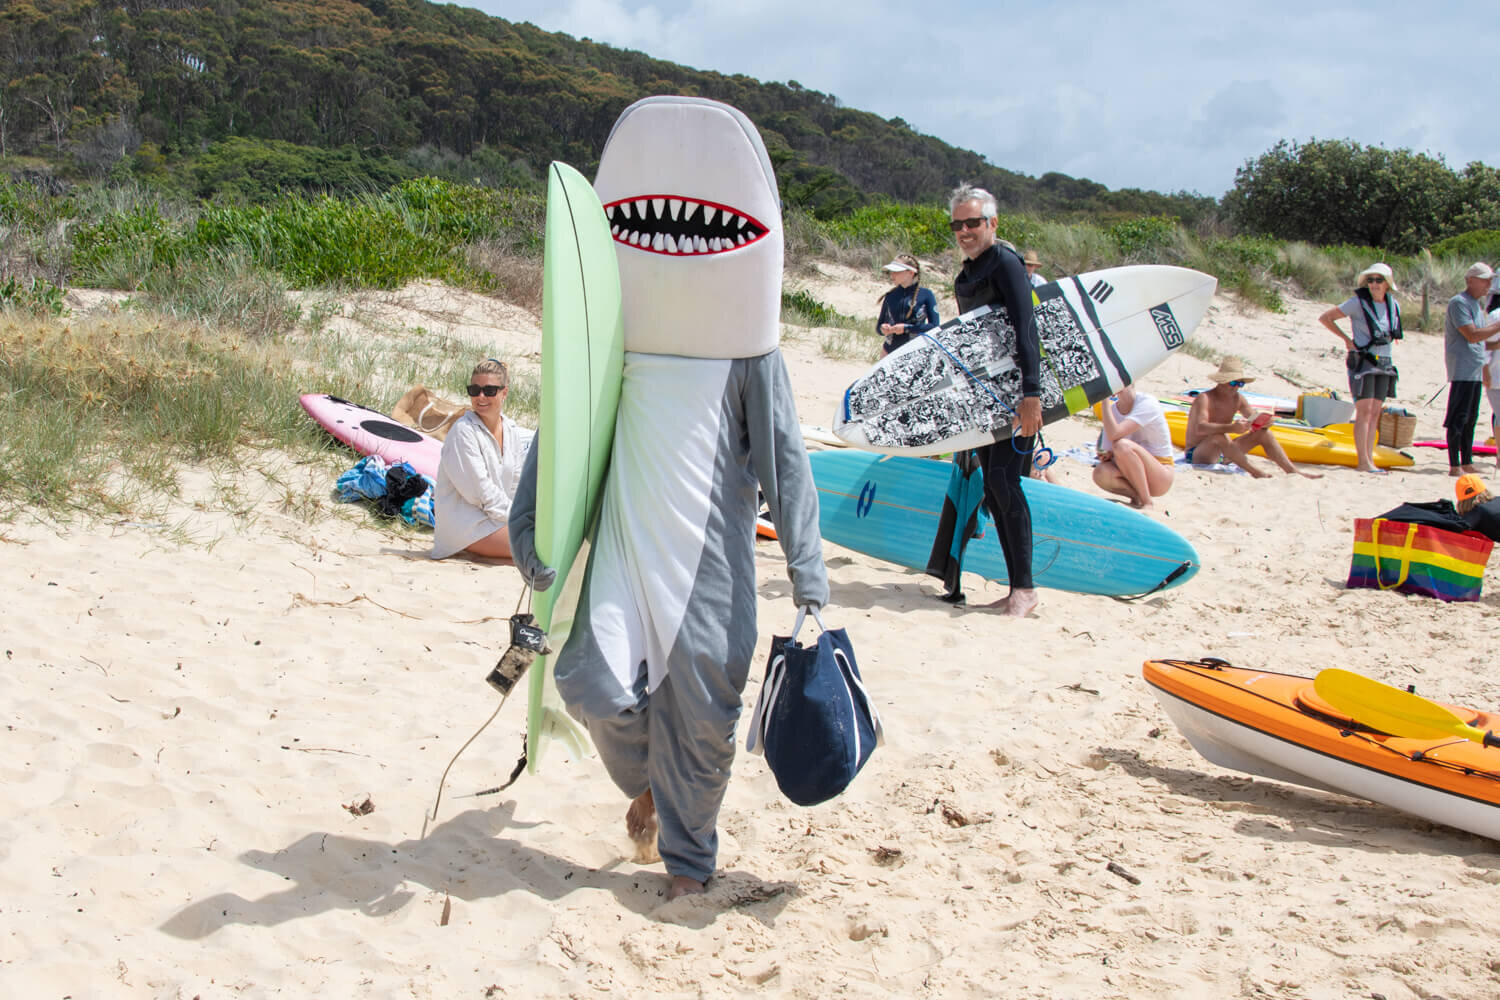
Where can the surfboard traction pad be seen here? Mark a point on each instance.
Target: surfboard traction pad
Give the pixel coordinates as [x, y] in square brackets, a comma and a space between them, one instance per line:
[918, 397]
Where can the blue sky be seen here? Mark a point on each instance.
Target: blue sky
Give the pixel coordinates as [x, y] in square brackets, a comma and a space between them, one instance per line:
[1159, 94]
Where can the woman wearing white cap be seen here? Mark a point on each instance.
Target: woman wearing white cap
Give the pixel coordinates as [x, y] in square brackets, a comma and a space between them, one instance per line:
[908, 309]
[1374, 322]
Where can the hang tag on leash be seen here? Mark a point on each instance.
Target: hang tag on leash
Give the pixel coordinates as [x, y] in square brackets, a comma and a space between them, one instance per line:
[526, 641]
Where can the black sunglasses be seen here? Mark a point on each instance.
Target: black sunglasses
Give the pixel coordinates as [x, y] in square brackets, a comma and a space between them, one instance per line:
[1237, 383]
[1375, 279]
[971, 223]
[489, 390]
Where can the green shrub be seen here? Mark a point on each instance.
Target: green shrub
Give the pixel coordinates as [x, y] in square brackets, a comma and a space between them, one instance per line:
[1144, 237]
[37, 296]
[800, 309]
[1021, 230]
[917, 229]
[262, 170]
[121, 249]
[1477, 244]
[465, 213]
[366, 241]
[22, 204]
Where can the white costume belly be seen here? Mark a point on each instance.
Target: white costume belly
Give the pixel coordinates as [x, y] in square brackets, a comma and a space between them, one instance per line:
[653, 518]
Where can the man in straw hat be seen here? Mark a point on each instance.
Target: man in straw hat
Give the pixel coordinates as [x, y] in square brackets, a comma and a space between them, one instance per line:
[1034, 268]
[1466, 327]
[1223, 426]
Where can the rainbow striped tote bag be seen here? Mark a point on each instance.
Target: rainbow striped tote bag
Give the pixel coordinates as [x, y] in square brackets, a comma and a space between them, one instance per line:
[1418, 559]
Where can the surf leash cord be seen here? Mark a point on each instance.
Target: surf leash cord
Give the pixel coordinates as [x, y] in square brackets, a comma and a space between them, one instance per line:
[526, 641]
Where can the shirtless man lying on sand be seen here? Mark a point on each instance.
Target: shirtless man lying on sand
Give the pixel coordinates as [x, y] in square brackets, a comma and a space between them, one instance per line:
[1222, 411]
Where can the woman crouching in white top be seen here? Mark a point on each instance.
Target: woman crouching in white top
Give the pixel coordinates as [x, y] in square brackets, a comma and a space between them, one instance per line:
[477, 475]
[1135, 450]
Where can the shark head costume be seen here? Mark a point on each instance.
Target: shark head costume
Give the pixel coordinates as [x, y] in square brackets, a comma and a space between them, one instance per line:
[661, 644]
[691, 199]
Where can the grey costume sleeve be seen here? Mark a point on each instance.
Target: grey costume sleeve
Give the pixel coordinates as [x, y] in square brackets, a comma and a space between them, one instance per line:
[523, 526]
[785, 476]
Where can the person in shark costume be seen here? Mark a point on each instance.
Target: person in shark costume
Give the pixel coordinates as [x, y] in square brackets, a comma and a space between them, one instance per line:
[661, 645]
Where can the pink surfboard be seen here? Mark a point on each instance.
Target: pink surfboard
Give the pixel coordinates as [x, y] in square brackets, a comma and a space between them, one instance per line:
[1479, 449]
[371, 432]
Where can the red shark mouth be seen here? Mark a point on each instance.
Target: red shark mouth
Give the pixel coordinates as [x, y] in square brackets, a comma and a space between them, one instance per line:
[681, 227]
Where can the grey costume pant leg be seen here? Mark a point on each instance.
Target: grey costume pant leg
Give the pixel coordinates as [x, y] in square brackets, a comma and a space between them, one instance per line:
[679, 742]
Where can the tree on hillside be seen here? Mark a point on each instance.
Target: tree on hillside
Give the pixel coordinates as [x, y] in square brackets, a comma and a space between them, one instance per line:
[1338, 191]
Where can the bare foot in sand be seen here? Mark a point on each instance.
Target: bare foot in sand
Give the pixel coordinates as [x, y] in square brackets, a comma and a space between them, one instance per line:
[684, 886]
[1016, 604]
[1309, 475]
[640, 819]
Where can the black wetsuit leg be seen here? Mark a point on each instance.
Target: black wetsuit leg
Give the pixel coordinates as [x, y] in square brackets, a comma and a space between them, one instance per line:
[1005, 464]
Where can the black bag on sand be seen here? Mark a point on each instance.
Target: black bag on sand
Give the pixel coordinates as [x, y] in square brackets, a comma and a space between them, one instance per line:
[1435, 514]
[402, 483]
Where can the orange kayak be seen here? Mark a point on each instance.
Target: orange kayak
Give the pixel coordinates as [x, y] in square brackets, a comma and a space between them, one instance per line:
[1275, 726]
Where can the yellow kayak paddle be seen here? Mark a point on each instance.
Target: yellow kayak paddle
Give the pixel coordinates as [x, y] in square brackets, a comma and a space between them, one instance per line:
[1392, 710]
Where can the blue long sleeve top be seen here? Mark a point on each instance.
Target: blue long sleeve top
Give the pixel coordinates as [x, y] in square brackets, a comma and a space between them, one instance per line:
[897, 307]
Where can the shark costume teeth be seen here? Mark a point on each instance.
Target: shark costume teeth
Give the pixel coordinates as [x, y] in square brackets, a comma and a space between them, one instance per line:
[681, 226]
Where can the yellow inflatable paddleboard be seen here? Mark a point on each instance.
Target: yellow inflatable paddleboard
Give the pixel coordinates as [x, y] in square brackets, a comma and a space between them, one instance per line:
[1307, 445]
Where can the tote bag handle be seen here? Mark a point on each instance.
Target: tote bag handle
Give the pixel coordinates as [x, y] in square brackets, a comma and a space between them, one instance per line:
[771, 686]
[1411, 533]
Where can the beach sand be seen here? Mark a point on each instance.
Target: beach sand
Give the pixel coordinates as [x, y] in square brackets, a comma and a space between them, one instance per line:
[191, 706]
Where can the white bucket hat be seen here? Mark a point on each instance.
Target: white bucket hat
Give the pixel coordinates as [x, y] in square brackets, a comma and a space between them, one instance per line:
[1383, 270]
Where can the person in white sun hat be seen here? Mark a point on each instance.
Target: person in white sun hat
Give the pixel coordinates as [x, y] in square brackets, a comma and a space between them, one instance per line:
[908, 309]
[1374, 323]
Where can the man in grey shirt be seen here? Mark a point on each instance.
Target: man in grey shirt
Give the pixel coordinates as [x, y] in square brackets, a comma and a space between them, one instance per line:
[1465, 328]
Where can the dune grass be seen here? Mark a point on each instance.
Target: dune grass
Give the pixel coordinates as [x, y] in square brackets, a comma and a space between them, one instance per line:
[102, 411]
[99, 409]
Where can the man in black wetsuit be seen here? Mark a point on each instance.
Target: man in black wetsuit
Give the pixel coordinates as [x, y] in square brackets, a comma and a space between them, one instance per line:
[993, 274]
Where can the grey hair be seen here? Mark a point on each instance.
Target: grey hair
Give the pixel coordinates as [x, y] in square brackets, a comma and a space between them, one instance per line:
[989, 208]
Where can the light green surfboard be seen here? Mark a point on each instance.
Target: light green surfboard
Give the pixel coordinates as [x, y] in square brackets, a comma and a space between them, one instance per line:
[582, 356]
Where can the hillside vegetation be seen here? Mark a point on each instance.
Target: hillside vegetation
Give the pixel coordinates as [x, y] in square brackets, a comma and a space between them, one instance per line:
[251, 97]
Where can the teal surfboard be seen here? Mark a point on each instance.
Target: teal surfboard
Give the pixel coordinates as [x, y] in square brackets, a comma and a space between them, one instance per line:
[888, 507]
[582, 357]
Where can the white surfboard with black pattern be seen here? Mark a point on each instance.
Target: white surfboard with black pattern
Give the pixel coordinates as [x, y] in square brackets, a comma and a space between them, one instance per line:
[958, 386]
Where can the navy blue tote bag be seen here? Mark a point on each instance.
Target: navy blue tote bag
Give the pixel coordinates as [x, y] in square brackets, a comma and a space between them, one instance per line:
[813, 719]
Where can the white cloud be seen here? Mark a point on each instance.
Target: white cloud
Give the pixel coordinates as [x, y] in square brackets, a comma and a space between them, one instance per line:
[1162, 94]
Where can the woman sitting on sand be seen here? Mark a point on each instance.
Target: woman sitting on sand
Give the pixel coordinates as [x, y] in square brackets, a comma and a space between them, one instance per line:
[907, 309]
[477, 475]
[1374, 321]
[1135, 450]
